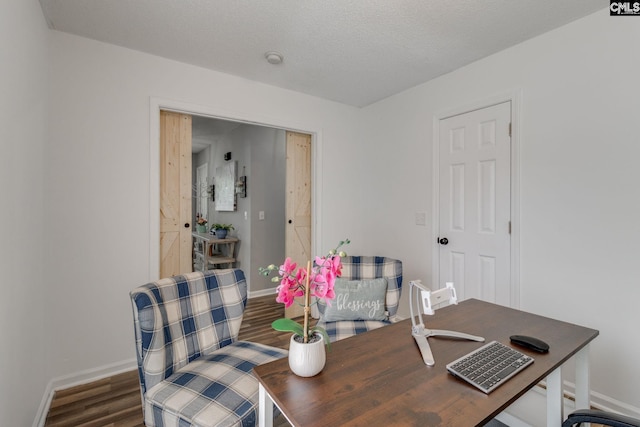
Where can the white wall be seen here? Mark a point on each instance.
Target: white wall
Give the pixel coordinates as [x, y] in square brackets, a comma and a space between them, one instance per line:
[580, 240]
[266, 184]
[23, 124]
[98, 182]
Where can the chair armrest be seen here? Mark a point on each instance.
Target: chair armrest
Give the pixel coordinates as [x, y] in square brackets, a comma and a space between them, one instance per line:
[600, 417]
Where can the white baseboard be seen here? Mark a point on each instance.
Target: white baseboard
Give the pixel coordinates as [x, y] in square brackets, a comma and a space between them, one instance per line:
[608, 404]
[96, 374]
[529, 407]
[605, 403]
[43, 409]
[79, 378]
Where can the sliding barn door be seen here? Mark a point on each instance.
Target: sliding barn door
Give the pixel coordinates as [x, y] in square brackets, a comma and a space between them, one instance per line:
[298, 201]
[175, 194]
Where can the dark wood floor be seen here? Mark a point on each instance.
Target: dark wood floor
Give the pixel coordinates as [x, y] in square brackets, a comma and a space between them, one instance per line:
[115, 401]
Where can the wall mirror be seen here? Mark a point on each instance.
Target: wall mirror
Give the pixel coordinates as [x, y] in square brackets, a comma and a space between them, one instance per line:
[225, 180]
[201, 193]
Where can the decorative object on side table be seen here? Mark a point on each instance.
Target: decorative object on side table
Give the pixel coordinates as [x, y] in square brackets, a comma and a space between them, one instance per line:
[306, 351]
[201, 224]
[221, 230]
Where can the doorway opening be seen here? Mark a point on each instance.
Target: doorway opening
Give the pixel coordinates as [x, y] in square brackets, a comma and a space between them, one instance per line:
[249, 158]
[231, 150]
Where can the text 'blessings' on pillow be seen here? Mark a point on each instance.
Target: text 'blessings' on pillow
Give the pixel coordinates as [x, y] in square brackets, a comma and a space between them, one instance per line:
[357, 300]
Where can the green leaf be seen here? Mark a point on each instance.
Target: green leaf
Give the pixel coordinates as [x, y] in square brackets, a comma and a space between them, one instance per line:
[324, 334]
[287, 325]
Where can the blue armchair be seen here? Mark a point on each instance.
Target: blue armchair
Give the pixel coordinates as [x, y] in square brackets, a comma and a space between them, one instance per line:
[366, 269]
[192, 368]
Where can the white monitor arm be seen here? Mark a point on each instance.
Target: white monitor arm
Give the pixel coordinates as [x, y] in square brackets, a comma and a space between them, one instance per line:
[429, 299]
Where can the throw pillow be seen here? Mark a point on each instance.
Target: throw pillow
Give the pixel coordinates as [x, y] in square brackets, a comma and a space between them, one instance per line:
[357, 300]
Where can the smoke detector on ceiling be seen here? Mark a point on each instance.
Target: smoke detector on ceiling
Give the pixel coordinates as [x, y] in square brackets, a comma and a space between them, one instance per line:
[274, 57]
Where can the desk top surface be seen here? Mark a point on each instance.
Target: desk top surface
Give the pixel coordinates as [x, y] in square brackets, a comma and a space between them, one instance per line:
[379, 378]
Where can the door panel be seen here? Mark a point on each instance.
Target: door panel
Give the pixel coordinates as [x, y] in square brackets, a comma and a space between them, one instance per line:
[298, 201]
[175, 194]
[475, 203]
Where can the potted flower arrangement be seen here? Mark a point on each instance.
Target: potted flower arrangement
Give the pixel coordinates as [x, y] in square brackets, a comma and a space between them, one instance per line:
[221, 230]
[201, 224]
[307, 346]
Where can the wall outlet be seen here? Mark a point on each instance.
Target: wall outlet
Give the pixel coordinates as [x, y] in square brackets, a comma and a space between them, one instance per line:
[261, 215]
[421, 218]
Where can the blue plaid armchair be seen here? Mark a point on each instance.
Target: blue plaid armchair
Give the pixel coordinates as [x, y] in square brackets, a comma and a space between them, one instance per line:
[367, 267]
[193, 370]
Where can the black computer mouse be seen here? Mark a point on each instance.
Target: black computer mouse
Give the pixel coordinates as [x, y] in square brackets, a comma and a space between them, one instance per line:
[530, 342]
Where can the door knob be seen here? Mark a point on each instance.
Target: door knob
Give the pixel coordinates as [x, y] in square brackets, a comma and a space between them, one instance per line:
[186, 225]
[443, 241]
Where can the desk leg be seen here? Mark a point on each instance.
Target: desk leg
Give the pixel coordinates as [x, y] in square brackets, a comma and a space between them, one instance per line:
[582, 379]
[265, 408]
[554, 398]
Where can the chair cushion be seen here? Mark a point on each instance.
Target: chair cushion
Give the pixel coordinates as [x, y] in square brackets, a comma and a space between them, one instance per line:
[357, 300]
[214, 390]
[348, 328]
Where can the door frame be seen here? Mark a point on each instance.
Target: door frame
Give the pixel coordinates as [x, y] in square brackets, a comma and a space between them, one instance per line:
[515, 97]
[252, 118]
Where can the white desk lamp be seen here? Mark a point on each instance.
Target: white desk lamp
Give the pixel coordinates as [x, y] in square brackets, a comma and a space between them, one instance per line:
[429, 299]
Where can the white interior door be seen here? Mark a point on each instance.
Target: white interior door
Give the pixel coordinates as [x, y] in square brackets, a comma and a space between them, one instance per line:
[475, 203]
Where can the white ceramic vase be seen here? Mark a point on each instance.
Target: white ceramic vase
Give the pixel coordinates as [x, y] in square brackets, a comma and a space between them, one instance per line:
[307, 360]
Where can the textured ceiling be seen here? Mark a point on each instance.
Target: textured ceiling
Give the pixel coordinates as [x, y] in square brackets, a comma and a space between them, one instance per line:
[351, 51]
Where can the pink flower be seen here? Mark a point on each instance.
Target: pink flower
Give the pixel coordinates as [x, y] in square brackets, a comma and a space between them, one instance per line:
[289, 287]
[293, 283]
[301, 276]
[322, 279]
[319, 286]
[330, 268]
[327, 271]
[321, 262]
[288, 267]
[285, 295]
[336, 265]
[288, 290]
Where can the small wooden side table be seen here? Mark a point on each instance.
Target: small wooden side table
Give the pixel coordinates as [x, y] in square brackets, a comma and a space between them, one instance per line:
[209, 251]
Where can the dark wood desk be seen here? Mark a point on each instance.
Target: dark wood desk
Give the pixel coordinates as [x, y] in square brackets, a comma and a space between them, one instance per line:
[379, 379]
